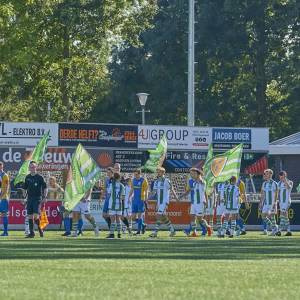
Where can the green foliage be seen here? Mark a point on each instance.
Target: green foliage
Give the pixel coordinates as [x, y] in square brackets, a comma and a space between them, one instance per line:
[58, 51]
[157, 68]
[247, 54]
[89, 58]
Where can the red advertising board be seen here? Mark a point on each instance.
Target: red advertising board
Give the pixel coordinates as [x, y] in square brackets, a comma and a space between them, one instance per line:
[178, 212]
[17, 212]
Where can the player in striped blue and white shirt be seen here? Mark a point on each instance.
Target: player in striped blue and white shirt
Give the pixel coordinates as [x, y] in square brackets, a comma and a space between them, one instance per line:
[232, 196]
[162, 187]
[285, 187]
[116, 192]
[199, 204]
[189, 190]
[220, 211]
[268, 202]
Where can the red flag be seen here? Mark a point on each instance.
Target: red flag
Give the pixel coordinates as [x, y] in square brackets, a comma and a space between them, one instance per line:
[258, 167]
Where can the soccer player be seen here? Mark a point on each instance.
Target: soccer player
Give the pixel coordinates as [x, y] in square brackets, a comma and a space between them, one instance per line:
[83, 208]
[54, 190]
[21, 194]
[139, 191]
[285, 187]
[209, 211]
[104, 195]
[127, 205]
[162, 187]
[243, 204]
[66, 219]
[220, 211]
[36, 189]
[198, 202]
[116, 192]
[231, 206]
[117, 169]
[264, 227]
[68, 222]
[189, 190]
[268, 202]
[4, 196]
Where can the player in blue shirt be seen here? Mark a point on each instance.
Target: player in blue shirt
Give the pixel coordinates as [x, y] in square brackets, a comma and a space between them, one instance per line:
[4, 196]
[139, 190]
[104, 195]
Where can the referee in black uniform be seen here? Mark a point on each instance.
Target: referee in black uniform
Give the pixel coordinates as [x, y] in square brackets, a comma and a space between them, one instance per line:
[36, 189]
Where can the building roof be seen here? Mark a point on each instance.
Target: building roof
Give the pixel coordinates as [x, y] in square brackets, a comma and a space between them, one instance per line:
[289, 145]
[293, 139]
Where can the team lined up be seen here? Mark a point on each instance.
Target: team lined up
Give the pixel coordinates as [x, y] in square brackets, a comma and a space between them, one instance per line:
[125, 201]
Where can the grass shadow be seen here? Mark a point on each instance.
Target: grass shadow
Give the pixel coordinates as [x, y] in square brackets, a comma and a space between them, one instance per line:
[199, 249]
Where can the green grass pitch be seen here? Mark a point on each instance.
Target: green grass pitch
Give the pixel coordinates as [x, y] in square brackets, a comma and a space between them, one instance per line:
[248, 267]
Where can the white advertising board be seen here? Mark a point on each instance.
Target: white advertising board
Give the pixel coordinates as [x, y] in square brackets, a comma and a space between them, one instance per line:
[199, 138]
[179, 138]
[27, 134]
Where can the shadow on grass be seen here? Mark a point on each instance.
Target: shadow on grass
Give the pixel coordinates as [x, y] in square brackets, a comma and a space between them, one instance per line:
[239, 249]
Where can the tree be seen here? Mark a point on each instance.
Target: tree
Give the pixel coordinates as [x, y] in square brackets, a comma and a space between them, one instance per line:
[57, 51]
[157, 67]
[246, 71]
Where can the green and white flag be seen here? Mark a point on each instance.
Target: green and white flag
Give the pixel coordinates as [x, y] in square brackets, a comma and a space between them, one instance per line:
[82, 176]
[298, 188]
[157, 156]
[37, 156]
[209, 156]
[223, 166]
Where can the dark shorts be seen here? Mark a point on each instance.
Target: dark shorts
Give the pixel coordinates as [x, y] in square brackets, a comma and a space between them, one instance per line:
[32, 207]
[138, 206]
[3, 206]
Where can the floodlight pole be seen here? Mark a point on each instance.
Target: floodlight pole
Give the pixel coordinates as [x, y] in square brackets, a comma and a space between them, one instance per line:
[143, 115]
[191, 65]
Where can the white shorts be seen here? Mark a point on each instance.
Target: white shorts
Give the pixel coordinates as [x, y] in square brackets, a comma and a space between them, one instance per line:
[197, 209]
[83, 207]
[268, 209]
[231, 211]
[161, 209]
[221, 209]
[127, 212]
[284, 207]
[114, 212]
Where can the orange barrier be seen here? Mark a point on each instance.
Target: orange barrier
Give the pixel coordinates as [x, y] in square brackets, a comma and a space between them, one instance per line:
[178, 212]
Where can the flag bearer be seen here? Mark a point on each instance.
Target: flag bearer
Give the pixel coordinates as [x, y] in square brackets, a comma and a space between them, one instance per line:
[83, 208]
